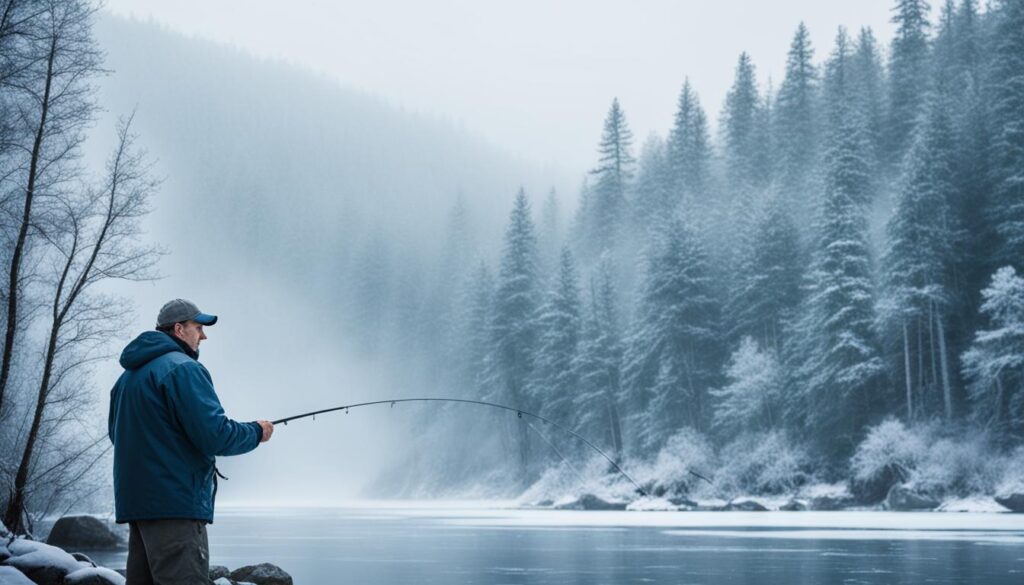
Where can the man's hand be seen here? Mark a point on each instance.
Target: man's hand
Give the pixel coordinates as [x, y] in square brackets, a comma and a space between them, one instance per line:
[268, 429]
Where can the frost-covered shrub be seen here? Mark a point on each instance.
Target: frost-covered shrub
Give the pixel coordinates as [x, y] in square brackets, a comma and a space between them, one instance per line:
[1012, 479]
[925, 458]
[960, 466]
[669, 473]
[887, 456]
[568, 481]
[762, 463]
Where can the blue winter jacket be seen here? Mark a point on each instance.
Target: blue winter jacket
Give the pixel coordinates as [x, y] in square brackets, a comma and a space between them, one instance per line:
[167, 425]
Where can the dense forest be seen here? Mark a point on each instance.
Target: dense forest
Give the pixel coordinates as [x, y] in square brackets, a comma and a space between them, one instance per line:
[825, 290]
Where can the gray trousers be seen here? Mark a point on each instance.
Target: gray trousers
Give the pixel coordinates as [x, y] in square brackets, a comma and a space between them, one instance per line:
[168, 552]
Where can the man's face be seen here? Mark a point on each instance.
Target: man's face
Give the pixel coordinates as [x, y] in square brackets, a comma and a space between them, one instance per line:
[191, 333]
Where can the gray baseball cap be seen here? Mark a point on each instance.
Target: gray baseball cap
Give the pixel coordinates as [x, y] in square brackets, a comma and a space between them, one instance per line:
[180, 310]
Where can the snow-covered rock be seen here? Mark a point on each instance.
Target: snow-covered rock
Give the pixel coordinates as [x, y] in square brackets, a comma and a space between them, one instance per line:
[83, 558]
[591, 502]
[1014, 501]
[262, 574]
[4, 533]
[45, 566]
[744, 505]
[85, 532]
[12, 576]
[794, 505]
[94, 576]
[831, 503]
[904, 499]
[4, 553]
[218, 571]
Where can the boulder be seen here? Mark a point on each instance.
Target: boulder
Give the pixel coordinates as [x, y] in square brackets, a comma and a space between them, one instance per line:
[793, 505]
[262, 574]
[83, 558]
[1013, 501]
[830, 503]
[683, 503]
[4, 553]
[12, 576]
[42, 563]
[85, 532]
[94, 576]
[218, 571]
[743, 506]
[591, 502]
[877, 488]
[904, 499]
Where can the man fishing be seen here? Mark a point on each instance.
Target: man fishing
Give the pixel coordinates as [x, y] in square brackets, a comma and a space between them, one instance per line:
[167, 426]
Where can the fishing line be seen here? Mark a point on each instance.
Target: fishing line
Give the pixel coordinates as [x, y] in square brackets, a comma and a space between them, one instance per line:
[519, 414]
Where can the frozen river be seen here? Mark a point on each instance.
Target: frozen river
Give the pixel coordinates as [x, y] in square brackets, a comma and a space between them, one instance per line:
[395, 545]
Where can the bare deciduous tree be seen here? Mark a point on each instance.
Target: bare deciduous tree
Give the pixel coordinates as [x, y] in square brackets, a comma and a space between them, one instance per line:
[50, 60]
[93, 237]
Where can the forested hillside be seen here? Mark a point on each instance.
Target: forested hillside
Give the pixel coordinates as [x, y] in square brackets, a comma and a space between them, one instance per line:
[831, 278]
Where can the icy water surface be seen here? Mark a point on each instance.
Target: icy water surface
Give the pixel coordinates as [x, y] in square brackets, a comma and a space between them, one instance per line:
[399, 546]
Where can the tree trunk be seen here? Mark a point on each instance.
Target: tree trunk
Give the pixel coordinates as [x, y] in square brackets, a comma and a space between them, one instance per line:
[947, 391]
[26, 220]
[908, 377]
[14, 516]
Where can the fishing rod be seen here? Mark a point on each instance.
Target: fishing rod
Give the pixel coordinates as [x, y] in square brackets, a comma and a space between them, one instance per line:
[520, 413]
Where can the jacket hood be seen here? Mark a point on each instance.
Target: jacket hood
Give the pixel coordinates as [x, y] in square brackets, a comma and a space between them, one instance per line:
[145, 348]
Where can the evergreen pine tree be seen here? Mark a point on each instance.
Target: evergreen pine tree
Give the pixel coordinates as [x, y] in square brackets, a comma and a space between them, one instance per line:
[868, 86]
[796, 124]
[599, 364]
[689, 147]
[768, 287]
[1006, 155]
[739, 131]
[919, 264]
[554, 384]
[908, 74]
[653, 199]
[673, 355]
[994, 364]
[841, 373]
[513, 327]
[612, 176]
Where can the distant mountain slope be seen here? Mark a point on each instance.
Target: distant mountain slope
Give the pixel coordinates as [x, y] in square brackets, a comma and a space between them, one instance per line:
[280, 163]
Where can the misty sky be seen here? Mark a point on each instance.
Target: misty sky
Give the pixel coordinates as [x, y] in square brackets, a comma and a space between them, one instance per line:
[533, 77]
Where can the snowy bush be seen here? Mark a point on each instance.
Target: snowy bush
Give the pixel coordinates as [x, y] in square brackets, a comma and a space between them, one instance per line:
[669, 473]
[762, 463]
[1012, 479]
[957, 466]
[568, 481]
[930, 461]
[890, 446]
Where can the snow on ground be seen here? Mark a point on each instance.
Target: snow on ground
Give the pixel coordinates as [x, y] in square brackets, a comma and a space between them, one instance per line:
[12, 576]
[825, 490]
[972, 504]
[92, 574]
[652, 505]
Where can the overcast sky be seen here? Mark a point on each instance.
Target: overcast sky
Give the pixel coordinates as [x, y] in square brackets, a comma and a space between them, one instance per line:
[533, 77]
